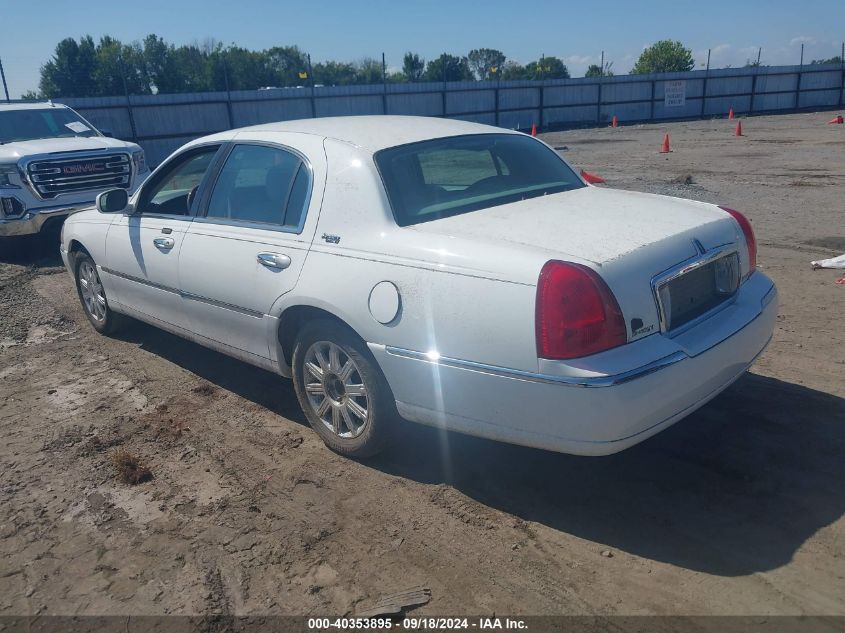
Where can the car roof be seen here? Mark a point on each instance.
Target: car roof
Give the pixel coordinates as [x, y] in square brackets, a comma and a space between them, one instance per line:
[372, 132]
[29, 105]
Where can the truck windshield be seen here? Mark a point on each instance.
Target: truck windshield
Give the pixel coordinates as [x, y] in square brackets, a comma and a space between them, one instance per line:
[444, 177]
[31, 124]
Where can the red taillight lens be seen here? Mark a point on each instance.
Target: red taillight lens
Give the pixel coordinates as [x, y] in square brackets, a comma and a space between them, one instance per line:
[576, 313]
[750, 240]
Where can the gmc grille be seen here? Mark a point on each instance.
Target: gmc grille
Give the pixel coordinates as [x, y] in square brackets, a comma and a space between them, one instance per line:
[51, 177]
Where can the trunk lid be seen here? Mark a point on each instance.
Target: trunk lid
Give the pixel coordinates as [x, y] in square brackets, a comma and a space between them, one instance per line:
[627, 237]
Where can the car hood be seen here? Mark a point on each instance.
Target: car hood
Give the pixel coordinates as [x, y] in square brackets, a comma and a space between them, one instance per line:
[594, 224]
[19, 149]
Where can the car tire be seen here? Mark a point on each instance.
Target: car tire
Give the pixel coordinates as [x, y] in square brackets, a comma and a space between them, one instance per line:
[336, 378]
[94, 301]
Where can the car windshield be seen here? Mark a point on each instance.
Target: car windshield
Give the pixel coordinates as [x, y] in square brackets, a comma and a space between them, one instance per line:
[31, 124]
[444, 177]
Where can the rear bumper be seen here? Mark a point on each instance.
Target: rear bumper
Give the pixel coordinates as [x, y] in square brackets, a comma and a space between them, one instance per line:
[32, 221]
[597, 414]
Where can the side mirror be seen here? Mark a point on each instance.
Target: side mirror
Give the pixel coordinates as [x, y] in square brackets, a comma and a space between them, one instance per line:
[112, 201]
[108, 133]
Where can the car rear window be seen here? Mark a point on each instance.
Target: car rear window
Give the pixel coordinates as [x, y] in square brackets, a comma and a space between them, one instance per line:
[444, 177]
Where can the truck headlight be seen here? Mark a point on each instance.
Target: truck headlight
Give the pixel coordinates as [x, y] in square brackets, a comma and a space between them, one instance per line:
[140, 162]
[8, 172]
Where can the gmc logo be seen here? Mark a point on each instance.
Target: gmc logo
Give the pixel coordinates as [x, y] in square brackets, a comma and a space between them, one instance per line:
[83, 168]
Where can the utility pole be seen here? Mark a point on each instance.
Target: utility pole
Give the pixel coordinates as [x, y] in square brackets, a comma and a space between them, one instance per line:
[601, 71]
[759, 51]
[802, 54]
[5, 87]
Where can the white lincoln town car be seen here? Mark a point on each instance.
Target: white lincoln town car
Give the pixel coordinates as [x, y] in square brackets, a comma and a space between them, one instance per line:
[437, 271]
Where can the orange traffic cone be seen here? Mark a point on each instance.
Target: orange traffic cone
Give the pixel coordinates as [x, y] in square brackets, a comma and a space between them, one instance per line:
[738, 131]
[533, 129]
[839, 120]
[591, 178]
[665, 149]
[615, 123]
[731, 114]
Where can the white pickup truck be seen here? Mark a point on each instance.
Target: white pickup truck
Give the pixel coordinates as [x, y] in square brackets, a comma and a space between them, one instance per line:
[53, 163]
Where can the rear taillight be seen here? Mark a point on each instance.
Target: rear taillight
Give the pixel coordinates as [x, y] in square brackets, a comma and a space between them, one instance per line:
[576, 313]
[750, 240]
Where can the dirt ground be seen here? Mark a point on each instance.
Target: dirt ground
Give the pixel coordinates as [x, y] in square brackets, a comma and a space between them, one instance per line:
[736, 510]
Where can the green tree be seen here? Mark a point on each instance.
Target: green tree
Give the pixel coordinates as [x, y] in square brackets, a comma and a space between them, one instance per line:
[70, 72]
[448, 68]
[369, 71]
[332, 73]
[160, 66]
[119, 67]
[285, 63]
[665, 56]
[413, 66]
[513, 70]
[193, 66]
[595, 70]
[832, 60]
[547, 68]
[485, 63]
[30, 95]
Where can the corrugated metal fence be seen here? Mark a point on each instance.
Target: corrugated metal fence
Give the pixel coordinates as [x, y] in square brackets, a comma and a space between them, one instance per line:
[161, 123]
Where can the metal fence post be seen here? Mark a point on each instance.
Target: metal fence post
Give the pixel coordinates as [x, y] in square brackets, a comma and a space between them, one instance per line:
[496, 95]
[704, 85]
[753, 90]
[651, 103]
[311, 79]
[598, 101]
[128, 102]
[383, 85]
[842, 83]
[228, 93]
[542, 100]
[5, 87]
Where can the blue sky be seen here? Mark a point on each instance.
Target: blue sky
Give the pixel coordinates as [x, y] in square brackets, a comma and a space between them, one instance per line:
[577, 32]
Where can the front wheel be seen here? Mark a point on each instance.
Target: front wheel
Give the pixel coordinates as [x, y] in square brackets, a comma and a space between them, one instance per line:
[341, 390]
[92, 295]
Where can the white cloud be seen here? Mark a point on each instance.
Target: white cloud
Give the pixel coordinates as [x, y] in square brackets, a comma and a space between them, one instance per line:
[578, 60]
[803, 39]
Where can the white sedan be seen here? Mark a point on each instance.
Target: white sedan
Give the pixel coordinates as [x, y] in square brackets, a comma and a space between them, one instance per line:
[438, 271]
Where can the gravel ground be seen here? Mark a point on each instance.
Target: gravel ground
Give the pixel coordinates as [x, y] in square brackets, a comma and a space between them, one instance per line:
[736, 510]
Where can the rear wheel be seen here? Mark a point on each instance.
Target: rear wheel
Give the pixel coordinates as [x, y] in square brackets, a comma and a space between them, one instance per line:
[341, 390]
[92, 295]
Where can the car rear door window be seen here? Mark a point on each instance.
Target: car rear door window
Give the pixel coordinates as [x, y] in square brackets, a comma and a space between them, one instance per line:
[261, 184]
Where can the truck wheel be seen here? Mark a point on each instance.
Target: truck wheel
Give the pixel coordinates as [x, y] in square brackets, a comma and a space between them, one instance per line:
[341, 390]
[92, 295]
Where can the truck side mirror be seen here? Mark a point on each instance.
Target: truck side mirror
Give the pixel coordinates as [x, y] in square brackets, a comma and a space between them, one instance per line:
[107, 132]
[112, 201]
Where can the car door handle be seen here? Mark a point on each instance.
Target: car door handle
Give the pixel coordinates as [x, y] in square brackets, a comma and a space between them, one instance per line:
[165, 243]
[273, 260]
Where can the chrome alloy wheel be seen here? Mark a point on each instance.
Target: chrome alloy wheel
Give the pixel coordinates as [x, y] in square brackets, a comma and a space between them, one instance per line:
[92, 291]
[335, 389]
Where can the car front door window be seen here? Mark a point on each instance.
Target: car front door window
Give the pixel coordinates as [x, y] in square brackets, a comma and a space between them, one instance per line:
[174, 192]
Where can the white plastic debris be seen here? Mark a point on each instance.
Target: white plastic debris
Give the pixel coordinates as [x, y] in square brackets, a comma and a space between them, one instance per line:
[833, 262]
